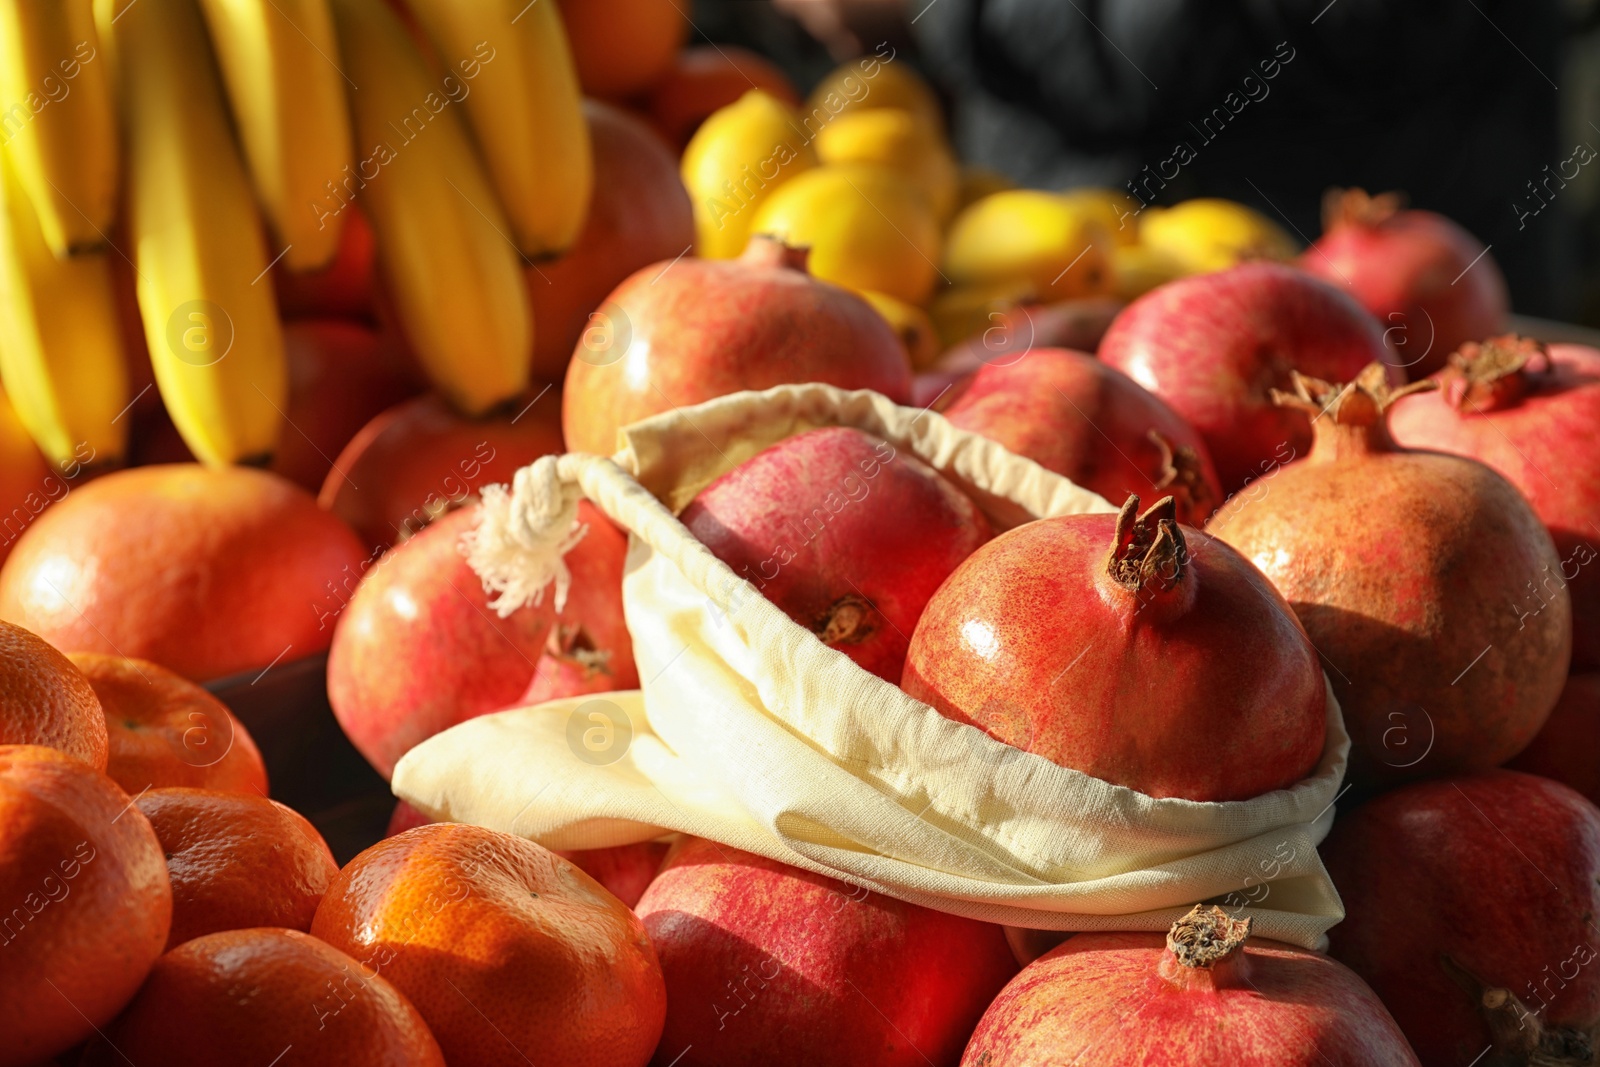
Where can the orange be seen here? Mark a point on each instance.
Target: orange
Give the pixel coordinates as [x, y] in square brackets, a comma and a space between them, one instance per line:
[45, 700]
[623, 47]
[208, 572]
[511, 953]
[707, 77]
[264, 997]
[86, 896]
[237, 861]
[165, 730]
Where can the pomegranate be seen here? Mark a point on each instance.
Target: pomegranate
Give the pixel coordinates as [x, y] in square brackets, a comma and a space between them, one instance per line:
[589, 649]
[683, 331]
[1408, 570]
[1126, 664]
[768, 964]
[849, 537]
[417, 649]
[1530, 412]
[1076, 324]
[1078, 417]
[1428, 281]
[1210, 995]
[1470, 911]
[1213, 346]
[1565, 749]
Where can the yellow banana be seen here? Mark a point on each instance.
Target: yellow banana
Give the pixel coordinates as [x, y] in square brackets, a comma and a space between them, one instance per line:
[279, 62]
[210, 317]
[60, 350]
[444, 252]
[58, 123]
[513, 72]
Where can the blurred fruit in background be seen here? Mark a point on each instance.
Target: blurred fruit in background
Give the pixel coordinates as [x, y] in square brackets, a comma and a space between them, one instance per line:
[1209, 234]
[1058, 245]
[1564, 749]
[342, 289]
[27, 484]
[1116, 212]
[623, 47]
[979, 182]
[735, 161]
[911, 324]
[962, 311]
[46, 700]
[705, 78]
[898, 140]
[868, 83]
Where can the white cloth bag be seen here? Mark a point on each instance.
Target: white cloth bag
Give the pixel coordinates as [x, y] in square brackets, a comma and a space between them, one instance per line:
[751, 732]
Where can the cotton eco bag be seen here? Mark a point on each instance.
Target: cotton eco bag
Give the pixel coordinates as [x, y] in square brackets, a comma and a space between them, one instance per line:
[749, 731]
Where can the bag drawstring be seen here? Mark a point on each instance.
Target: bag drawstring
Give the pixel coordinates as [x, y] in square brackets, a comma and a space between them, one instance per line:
[522, 535]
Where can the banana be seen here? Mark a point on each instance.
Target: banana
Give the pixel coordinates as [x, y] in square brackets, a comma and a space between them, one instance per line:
[58, 124]
[444, 255]
[61, 356]
[210, 317]
[278, 60]
[514, 66]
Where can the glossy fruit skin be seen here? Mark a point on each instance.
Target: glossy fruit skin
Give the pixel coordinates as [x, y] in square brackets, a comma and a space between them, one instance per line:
[1539, 442]
[1564, 750]
[1212, 346]
[766, 963]
[705, 78]
[623, 47]
[845, 524]
[166, 731]
[1102, 998]
[677, 334]
[46, 700]
[245, 996]
[500, 942]
[1495, 870]
[589, 649]
[1425, 278]
[208, 572]
[422, 459]
[418, 649]
[639, 214]
[1076, 416]
[236, 861]
[1407, 570]
[1034, 643]
[87, 901]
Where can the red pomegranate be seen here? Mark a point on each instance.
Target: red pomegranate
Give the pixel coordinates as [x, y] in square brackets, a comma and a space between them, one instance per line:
[1409, 570]
[1077, 324]
[1207, 996]
[1213, 346]
[589, 649]
[417, 648]
[1471, 905]
[1121, 646]
[768, 964]
[845, 534]
[1094, 425]
[1429, 282]
[639, 214]
[1565, 749]
[1531, 413]
[680, 332]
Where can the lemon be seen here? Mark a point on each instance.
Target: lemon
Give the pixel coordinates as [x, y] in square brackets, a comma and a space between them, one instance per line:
[911, 324]
[867, 226]
[1207, 234]
[979, 182]
[898, 140]
[963, 310]
[1117, 212]
[734, 163]
[1061, 247]
[870, 82]
[1140, 268]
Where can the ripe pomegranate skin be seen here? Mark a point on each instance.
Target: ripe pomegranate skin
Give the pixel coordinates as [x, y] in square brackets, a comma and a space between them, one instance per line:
[1529, 412]
[1214, 345]
[1132, 666]
[589, 649]
[1116, 999]
[1565, 749]
[418, 649]
[856, 535]
[1406, 569]
[1076, 416]
[679, 332]
[1410, 269]
[768, 964]
[1496, 871]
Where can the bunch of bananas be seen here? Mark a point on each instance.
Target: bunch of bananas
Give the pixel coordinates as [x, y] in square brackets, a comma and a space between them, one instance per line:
[204, 143]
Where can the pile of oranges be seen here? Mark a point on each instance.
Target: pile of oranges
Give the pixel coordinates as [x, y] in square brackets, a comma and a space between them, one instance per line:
[159, 908]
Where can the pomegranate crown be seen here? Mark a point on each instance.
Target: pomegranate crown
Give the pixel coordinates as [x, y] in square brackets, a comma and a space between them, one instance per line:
[1493, 373]
[1354, 207]
[1361, 401]
[1182, 474]
[1148, 551]
[765, 250]
[1207, 936]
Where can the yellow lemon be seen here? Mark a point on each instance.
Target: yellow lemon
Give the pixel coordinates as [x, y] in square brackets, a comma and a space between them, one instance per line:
[1140, 268]
[1117, 212]
[979, 182]
[896, 139]
[963, 310]
[1207, 234]
[1062, 248]
[870, 82]
[734, 163]
[866, 225]
[911, 324]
